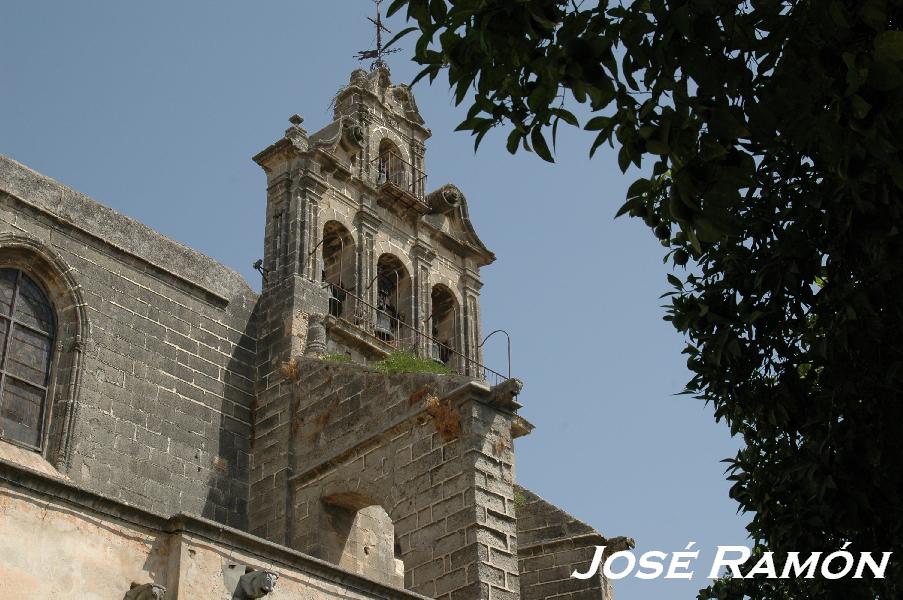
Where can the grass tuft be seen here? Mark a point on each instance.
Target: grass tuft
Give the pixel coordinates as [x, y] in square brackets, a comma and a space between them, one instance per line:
[405, 362]
[339, 358]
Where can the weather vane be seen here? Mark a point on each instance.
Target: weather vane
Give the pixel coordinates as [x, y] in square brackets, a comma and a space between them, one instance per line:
[380, 51]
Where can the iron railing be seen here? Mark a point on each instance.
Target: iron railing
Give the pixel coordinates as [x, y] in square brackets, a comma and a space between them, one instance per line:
[392, 170]
[386, 327]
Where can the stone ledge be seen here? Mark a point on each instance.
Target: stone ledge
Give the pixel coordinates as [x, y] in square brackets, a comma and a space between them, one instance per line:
[35, 483]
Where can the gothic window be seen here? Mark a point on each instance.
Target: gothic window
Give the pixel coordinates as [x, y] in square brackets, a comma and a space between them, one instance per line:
[27, 330]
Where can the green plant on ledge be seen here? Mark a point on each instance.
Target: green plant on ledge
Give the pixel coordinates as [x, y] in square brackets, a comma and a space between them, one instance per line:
[336, 357]
[520, 500]
[406, 362]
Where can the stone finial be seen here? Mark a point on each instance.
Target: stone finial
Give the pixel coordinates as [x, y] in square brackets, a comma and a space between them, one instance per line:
[145, 591]
[316, 336]
[256, 584]
[296, 134]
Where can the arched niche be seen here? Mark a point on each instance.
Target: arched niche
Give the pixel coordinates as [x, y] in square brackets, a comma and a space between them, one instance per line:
[358, 535]
[339, 266]
[394, 303]
[54, 277]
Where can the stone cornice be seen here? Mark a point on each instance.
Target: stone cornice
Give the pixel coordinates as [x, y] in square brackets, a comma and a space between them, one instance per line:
[423, 251]
[368, 218]
[471, 281]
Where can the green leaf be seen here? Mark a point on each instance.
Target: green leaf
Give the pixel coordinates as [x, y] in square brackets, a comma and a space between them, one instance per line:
[399, 35]
[657, 147]
[539, 145]
[889, 46]
[623, 159]
[423, 73]
[393, 8]
[885, 76]
[638, 188]
[860, 107]
[597, 123]
[514, 139]
[566, 116]
[600, 139]
[438, 10]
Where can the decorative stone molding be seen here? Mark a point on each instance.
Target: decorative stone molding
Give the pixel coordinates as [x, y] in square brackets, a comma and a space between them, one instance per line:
[58, 280]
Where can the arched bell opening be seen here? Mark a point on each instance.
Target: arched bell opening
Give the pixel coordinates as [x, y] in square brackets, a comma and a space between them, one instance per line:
[339, 262]
[394, 302]
[392, 167]
[444, 328]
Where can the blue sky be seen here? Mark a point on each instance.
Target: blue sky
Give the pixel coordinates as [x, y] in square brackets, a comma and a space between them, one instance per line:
[155, 109]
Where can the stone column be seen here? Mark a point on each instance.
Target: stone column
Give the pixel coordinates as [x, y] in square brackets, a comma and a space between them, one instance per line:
[423, 256]
[368, 224]
[471, 285]
[312, 187]
[418, 150]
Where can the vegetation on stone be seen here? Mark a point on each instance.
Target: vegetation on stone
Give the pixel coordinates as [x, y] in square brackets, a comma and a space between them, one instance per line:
[773, 133]
[405, 362]
[337, 357]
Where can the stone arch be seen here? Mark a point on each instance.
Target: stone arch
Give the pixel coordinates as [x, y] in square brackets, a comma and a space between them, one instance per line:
[445, 325]
[339, 265]
[394, 302]
[385, 245]
[393, 167]
[73, 332]
[383, 136]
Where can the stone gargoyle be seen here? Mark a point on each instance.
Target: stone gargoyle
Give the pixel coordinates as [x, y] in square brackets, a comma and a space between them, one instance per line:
[145, 591]
[255, 584]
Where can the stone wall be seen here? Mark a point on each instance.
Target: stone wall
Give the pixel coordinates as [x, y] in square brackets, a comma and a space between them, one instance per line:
[99, 547]
[552, 545]
[155, 359]
[433, 451]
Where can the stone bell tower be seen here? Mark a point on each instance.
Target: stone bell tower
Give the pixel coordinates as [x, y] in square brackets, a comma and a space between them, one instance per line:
[361, 258]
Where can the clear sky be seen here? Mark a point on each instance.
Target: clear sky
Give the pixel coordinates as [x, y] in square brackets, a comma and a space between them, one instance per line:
[155, 108]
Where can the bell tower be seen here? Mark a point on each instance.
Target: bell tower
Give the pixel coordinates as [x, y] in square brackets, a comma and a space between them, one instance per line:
[365, 258]
[359, 249]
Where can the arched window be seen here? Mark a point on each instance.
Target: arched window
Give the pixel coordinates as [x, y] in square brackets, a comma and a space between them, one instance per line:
[444, 325]
[339, 259]
[394, 302]
[27, 331]
[392, 167]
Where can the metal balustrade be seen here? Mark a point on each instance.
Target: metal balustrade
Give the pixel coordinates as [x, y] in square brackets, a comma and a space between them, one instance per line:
[392, 170]
[389, 329]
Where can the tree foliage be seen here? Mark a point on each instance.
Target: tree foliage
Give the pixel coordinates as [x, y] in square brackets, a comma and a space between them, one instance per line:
[773, 133]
